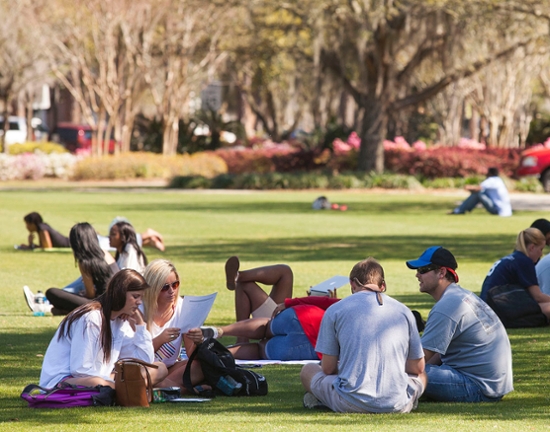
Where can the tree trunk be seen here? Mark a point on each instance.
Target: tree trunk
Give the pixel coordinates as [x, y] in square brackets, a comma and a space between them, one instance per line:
[373, 134]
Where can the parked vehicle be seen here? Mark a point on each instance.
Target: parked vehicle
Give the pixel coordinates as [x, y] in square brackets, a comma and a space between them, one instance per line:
[17, 132]
[76, 138]
[536, 162]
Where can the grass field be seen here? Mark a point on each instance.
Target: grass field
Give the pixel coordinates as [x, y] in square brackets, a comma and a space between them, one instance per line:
[201, 230]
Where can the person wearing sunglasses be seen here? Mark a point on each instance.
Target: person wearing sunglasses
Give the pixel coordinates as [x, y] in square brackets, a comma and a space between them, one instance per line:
[162, 309]
[466, 348]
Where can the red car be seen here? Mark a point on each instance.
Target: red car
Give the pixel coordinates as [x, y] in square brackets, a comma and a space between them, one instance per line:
[76, 138]
[536, 162]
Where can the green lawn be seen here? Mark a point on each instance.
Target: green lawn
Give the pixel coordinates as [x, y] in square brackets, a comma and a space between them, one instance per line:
[201, 230]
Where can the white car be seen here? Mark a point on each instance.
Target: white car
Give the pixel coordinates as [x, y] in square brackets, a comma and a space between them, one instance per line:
[17, 132]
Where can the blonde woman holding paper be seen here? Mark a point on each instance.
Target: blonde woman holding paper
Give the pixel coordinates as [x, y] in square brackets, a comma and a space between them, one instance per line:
[163, 309]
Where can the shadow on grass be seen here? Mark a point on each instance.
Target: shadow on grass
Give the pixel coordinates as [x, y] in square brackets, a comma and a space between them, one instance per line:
[484, 247]
[398, 204]
[21, 366]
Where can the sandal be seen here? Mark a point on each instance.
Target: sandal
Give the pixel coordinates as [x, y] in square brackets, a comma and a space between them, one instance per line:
[231, 272]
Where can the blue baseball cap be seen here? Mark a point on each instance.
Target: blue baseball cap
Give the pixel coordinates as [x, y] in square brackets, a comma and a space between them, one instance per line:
[436, 255]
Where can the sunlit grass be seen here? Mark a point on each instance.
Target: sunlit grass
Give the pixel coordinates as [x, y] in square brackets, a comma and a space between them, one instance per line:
[201, 230]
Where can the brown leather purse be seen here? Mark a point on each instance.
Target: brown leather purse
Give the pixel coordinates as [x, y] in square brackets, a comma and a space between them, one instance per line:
[132, 388]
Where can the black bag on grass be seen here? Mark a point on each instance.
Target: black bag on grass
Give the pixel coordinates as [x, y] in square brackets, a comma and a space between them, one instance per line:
[515, 307]
[221, 372]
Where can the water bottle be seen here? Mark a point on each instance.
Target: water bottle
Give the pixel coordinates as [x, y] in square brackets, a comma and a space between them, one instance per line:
[39, 304]
[228, 385]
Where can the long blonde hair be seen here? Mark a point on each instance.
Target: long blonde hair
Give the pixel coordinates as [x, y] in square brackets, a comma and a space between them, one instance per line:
[155, 274]
[527, 237]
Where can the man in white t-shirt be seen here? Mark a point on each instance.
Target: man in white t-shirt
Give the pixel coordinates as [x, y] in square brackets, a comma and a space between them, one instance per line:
[491, 193]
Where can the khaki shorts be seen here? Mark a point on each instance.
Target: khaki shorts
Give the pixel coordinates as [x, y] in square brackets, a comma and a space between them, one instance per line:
[265, 310]
[323, 389]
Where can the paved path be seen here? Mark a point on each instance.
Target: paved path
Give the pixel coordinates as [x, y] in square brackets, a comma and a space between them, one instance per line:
[530, 201]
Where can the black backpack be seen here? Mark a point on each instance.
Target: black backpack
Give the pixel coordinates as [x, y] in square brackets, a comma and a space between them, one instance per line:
[221, 372]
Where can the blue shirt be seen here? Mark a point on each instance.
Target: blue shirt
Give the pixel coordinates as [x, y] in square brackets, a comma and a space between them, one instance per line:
[515, 269]
[470, 339]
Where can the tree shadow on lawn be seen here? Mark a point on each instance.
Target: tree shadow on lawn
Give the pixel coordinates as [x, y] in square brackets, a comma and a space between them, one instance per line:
[402, 247]
[246, 204]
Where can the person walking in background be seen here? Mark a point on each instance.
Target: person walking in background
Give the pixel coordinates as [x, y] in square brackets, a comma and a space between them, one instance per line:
[467, 351]
[491, 193]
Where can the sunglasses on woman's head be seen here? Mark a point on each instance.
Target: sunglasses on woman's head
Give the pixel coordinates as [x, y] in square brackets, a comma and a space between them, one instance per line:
[174, 285]
[427, 268]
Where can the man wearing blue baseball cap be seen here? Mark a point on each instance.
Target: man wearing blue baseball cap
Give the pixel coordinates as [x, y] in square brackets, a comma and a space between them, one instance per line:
[466, 348]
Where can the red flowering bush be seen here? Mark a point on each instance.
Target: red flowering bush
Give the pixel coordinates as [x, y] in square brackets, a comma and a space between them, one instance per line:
[467, 158]
[282, 158]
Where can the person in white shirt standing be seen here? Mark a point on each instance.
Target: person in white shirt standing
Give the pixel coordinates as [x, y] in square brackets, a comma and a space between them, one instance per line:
[491, 193]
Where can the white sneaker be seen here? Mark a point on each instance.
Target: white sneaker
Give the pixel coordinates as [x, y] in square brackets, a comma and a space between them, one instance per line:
[29, 297]
[311, 402]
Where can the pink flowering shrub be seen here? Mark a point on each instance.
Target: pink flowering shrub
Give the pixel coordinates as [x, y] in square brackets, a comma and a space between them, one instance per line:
[34, 166]
[467, 158]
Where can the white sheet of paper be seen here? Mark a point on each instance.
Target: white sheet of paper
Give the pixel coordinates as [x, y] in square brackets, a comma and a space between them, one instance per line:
[189, 400]
[333, 283]
[195, 310]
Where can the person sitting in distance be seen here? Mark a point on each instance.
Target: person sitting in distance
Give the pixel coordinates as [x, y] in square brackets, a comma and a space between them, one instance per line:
[491, 193]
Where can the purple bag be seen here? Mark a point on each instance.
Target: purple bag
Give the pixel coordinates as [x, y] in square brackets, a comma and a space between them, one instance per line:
[68, 396]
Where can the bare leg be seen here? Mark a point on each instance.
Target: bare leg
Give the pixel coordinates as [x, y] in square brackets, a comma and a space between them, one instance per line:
[157, 374]
[279, 276]
[152, 238]
[175, 375]
[248, 294]
[254, 328]
[246, 351]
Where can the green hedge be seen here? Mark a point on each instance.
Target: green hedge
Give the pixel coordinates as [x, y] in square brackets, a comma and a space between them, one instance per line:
[337, 181]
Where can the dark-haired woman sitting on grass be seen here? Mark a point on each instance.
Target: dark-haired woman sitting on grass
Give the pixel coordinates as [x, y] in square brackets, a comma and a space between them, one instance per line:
[96, 267]
[123, 238]
[91, 339]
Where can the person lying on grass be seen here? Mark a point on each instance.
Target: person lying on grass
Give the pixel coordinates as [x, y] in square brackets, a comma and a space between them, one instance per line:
[290, 334]
[250, 299]
[91, 339]
[47, 236]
